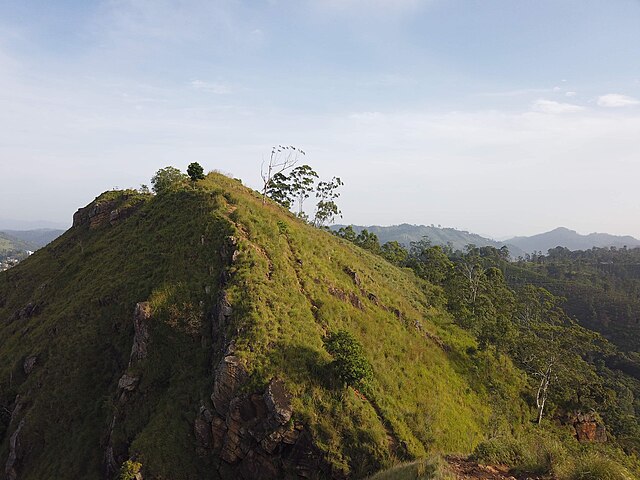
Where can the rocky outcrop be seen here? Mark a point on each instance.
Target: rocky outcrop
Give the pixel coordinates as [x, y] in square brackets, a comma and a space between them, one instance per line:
[230, 375]
[252, 435]
[29, 364]
[13, 460]
[127, 385]
[588, 427]
[105, 212]
[141, 319]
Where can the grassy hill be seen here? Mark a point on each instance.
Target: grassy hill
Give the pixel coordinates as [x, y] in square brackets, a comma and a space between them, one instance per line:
[188, 335]
[228, 374]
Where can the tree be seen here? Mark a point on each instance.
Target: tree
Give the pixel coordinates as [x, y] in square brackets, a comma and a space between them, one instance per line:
[282, 158]
[279, 190]
[429, 261]
[349, 362]
[302, 180]
[195, 171]
[168, 179]
[395, 253]
[326, 208]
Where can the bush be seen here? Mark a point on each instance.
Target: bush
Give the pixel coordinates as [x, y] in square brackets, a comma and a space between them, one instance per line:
[592, 466]
[168, 179]
[350, 364]
[500, 451]
[130, 470]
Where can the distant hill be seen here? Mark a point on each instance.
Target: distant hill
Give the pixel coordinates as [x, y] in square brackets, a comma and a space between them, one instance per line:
[406, 233]
[9, 243]
[32, 239]
[572, 240]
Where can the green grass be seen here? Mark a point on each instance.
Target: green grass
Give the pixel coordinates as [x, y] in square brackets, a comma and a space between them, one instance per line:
[433, 468]
[431, 392]
[552, 451]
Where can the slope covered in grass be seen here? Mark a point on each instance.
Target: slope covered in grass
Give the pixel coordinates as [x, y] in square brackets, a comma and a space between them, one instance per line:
[66, 335]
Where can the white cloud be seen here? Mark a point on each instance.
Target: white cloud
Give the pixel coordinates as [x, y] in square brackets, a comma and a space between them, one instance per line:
[212, 87]
[552, 107]
[570, 94]
[614, 100]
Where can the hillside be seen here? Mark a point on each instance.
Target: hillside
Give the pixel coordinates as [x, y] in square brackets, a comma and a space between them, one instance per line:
[458, 239]
[572, 240]
[185, 331]
[33, 239]
[9, 243]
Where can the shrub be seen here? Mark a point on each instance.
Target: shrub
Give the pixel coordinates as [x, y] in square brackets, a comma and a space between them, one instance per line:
[130, 470]
[592, 466]
[349, 362]
[500, 450]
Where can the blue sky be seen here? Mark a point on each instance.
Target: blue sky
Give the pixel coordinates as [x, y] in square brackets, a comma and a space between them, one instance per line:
[500, 117]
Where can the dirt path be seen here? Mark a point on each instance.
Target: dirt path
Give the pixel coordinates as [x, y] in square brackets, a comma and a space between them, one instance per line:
[465, 469]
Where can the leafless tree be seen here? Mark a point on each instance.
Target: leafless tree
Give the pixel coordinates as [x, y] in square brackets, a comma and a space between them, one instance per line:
[282, 158]
[545, 375]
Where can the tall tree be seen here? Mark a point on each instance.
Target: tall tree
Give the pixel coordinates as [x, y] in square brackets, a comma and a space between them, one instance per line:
[195, 171]
[282, 158]
[302, 180]
[326, 208]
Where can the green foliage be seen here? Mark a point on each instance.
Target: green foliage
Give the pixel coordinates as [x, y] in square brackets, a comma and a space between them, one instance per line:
[432, 468]
[168, 179]
[195, 171]
[552, 453]
[349, 362]
[326, 208]
[130, 470]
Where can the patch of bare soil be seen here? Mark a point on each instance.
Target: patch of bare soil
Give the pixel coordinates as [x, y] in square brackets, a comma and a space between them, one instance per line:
[465, 469]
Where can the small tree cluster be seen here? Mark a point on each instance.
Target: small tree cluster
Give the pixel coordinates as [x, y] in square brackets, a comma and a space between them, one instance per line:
[170, 179]
[294, 189]
[349, 362]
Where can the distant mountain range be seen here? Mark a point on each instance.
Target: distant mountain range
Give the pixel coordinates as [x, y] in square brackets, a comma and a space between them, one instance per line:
[406, 233]
[22, 240]
[572, 240]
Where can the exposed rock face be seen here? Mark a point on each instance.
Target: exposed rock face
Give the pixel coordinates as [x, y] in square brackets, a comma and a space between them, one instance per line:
[588, 427]
[104, 212]
[253, 435]
[229, 377]
[13, 460]
[128, 382]
[29, 364]
[141, 318]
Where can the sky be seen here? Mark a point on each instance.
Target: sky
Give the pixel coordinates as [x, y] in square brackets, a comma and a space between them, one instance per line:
[501, 117]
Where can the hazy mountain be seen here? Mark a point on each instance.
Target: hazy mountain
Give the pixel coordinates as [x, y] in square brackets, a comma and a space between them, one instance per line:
[572, 240]
[34, 239]
[458, 239]
[9, 243]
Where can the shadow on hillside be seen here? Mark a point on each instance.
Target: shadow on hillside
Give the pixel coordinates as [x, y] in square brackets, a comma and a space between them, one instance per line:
[301, 363]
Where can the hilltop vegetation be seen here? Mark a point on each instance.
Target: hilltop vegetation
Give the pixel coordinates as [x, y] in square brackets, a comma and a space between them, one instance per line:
[201, 333]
